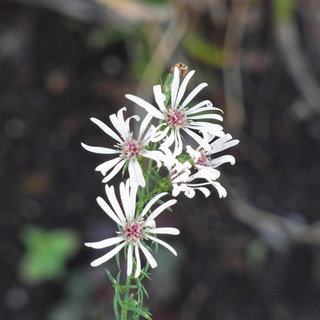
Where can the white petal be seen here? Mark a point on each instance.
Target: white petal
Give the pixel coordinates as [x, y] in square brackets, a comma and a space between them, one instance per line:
[107, 256]
[106, 166]
[162, 243]
[207, 126]
[157, 156]
[191, 111]
[183, 86]
[207, 173]
[205, 105]
[146, 105]
[223, 159]
[215, 129]
[127, 122]
[106, 129]
[138, 267]
[221, 190]
[159, 97]
[105, 207]
[114, 171]
[144, 124]
[114, 202]
[119, 124]
[161, 208]
[150, 224]
[159, 135]
[197, 138]
[130, 258]
[168, 141]
[166, 230]
[135, 172]
[193, 93]
[176, 190]
[207, 116]
[151, 203]
[216, 147]
[174, 87]
[100, 150]
[178, 146]
[150, 258]
[189, 192]
[125, 199]
[132, 198]
[205, 191]
[104, 243]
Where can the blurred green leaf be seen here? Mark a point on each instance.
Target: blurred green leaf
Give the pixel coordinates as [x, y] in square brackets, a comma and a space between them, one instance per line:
[283, 10]
[202, 49]
[142, 51]
[100, 37]
[257, 252]
[46, 253]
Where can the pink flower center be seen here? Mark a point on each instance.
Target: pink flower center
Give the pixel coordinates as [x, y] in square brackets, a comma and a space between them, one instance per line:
[133, 231]
[175, 118]
[131, 149]
[203, 160]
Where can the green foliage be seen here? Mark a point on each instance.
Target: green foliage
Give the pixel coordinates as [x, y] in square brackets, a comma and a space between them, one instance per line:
[203, 50]
[143, 52]
[46, 253]
[184, 157]
[283, 10]
[257, 252]
[130, 303]
[101, 37]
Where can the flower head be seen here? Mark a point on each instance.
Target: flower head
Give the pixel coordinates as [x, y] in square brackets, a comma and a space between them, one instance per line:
[127, 149]
[204, 158]
[180, 115]
[184, 180]
[134, 229]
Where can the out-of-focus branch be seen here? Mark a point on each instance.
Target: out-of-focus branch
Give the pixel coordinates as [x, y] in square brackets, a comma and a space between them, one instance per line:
[286, 32]
[231, 64]
[283, 230]
[167, 44]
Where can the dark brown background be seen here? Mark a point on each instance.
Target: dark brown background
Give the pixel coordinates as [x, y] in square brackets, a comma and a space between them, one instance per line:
[254, 255]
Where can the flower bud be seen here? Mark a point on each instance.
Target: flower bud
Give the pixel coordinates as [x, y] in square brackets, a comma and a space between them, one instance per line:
[183, 69]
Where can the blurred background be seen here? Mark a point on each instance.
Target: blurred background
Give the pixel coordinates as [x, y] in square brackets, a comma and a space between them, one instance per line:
[253, 255]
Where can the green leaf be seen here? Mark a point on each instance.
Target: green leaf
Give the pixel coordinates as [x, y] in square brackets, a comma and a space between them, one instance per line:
[142, 312]
[283, 10]
[115, 306]
[112, 279]
[46, 253]
[183, 158]
[125, 167]
[203, 50]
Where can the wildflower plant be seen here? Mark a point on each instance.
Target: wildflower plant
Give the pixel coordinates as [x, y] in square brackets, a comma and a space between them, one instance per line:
[148, 190]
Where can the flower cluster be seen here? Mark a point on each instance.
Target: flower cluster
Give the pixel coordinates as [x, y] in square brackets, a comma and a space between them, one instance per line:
[186, 168]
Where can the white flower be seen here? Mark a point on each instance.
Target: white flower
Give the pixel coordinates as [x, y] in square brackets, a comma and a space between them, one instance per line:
[134, 229]
[183, 180]
[180, 115]
[127, 148]
[203, 158]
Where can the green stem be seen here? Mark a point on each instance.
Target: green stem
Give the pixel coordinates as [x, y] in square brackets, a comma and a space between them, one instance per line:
[124, 310]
